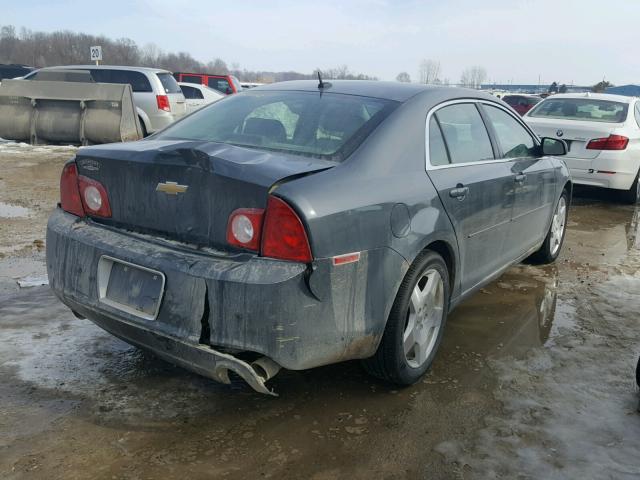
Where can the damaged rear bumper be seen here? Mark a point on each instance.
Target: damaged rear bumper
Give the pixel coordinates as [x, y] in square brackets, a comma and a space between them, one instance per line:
[200, 359]
[284, 314]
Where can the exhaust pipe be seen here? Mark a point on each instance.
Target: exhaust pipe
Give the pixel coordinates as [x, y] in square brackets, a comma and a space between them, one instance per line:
[265, 368]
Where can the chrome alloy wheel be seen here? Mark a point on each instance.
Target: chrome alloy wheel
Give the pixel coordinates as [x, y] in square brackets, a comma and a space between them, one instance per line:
[424, 318]
[558, 225]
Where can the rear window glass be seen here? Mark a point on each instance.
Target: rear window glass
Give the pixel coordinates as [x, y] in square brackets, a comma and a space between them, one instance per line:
[168, 83]
[219, 84]
[308, 123]
[138, 81]
[191, 79]
[585, 109]
[465, 134]
[514, 100]
[191, 93]
[437, 149]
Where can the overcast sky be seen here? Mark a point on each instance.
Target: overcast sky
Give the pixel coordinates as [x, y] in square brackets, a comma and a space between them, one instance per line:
[519, 40]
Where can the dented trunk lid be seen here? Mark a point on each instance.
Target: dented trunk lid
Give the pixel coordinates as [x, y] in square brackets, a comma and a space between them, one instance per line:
[186, 190]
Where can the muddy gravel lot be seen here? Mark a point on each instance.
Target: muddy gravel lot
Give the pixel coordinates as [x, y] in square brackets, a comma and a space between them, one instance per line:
[535, 377]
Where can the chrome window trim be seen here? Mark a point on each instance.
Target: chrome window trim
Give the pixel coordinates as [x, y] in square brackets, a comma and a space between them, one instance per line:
[429, 166]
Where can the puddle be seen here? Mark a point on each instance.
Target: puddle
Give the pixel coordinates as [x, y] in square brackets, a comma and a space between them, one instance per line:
[13, 211]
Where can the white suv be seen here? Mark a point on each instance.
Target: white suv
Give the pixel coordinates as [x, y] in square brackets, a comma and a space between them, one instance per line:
[156, 94]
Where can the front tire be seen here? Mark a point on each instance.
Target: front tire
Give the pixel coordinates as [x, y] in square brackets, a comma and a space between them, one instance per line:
[416, 323]
[552, 244]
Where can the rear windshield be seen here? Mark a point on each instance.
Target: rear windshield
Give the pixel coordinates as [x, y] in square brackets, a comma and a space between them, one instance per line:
[169, 83]
[326, 125]
[585, 109]
[519, 100]
[220, 84]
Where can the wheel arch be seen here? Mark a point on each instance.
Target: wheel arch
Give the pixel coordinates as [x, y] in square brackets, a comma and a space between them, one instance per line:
[445, 250]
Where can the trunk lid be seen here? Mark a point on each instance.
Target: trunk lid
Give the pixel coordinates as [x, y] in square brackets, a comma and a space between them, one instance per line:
[186, 190]
[577, 134]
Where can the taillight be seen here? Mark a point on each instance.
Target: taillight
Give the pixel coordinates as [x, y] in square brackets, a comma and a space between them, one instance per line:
[244, 228]
[70, 200]
[276, 232]
[612, 142]
[94, 197]
[163, 103]
[283, 235]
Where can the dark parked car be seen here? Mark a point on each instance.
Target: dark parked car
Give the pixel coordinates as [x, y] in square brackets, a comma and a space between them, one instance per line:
[227, 84]
[297, 225]
[14, 71]
[522, 103]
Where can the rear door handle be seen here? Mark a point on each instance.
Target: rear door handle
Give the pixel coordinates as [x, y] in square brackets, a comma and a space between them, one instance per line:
[459, 192]
[520, 178]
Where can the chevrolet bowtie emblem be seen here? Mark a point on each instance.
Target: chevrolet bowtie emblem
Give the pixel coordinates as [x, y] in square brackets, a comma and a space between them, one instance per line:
[171, 188]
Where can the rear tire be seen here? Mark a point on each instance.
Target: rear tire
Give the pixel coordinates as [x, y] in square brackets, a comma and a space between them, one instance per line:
[552, 244]
[632, 196]
[145, 134]
[416, 323]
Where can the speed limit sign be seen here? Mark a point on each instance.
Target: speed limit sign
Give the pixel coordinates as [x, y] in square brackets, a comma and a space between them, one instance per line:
[96, 54]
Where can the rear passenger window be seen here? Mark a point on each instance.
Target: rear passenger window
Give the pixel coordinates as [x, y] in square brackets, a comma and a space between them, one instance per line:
[637, 113]
[465, 133]
[191, 93]
[437, 149]
[191, 79]
[513, 138]
[138, 81]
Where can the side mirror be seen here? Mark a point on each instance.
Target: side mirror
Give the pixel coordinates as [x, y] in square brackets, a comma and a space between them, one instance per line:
[553, 147]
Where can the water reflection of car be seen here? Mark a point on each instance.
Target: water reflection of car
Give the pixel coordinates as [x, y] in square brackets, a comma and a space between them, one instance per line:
[602, 132]
[305, 223]
[198, 96]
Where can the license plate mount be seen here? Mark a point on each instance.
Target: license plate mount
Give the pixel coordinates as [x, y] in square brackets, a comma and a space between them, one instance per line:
[131, 288]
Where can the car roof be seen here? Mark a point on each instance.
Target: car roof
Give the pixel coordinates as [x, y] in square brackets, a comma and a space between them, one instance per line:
[397, 91]
[108, 67]
[596, 96]
[220, 75]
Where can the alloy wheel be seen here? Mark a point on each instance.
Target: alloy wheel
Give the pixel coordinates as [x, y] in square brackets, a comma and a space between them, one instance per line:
[424, 318]
[558, 225]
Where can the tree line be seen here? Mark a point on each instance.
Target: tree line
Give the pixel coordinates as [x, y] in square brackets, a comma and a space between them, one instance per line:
[45, 49]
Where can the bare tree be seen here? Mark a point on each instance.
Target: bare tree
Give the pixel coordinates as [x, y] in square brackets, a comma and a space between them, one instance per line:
[429, 71]
[473, 77]
[403, 77]
[218, 66]
[43, 49]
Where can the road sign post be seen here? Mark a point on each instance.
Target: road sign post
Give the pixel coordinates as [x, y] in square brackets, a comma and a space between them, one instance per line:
[96, 54]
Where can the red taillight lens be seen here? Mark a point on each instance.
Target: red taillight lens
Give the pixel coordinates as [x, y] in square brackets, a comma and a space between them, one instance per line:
[70, 200]
[612, 142]
[163, 103]
[244, 228]
[283, 235]
[94, 197]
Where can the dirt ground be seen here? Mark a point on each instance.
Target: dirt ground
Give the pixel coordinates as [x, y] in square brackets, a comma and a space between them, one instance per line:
[535, 377]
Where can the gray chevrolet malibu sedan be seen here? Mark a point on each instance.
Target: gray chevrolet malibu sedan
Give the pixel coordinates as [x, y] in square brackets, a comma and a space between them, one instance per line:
[303, 223]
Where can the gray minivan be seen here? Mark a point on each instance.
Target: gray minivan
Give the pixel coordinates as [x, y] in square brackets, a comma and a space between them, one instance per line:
[156, 94]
